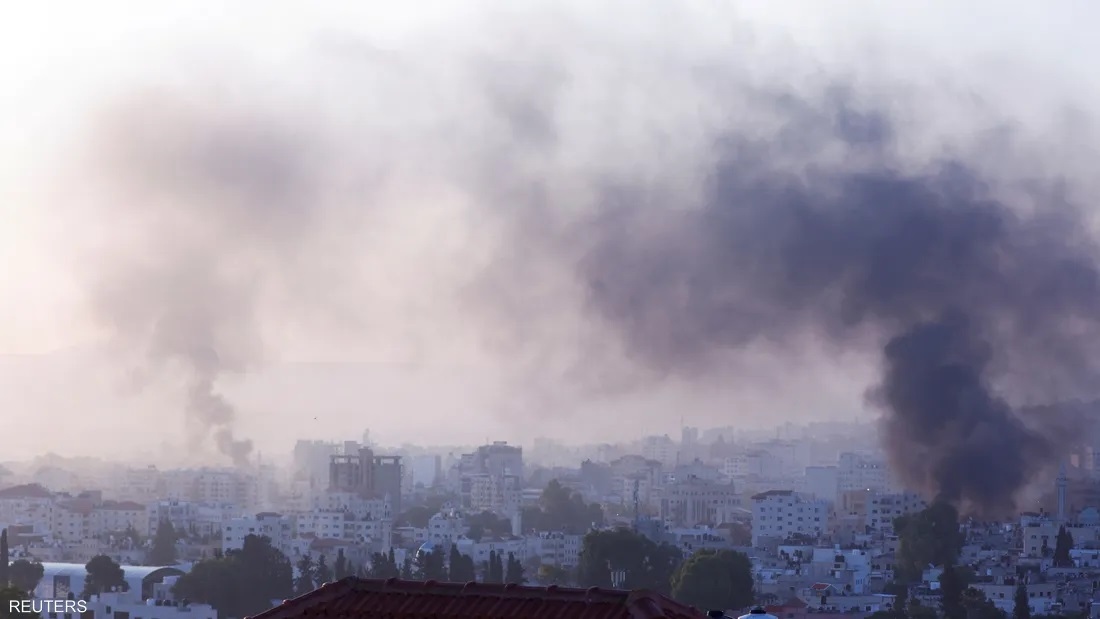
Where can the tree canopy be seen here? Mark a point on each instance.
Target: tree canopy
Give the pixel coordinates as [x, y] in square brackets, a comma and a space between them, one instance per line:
[714, 580]
[513, 571]
[322, 572]
[461, 567]
[305, 582]
[7, 596]
[242, 582]
[561, 509]
[25, 575]
[5, 575]
[1062, 545]
[384, 565]
[163, 551]
[928, 537]
[638, 562]
[103, 575]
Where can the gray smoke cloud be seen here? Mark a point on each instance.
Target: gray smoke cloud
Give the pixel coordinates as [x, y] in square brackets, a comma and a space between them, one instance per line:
[628, 217]
[211, 207]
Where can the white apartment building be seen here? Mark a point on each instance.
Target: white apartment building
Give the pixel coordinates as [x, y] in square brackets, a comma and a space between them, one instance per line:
[557, 549]
[693, 501]
[860, 472]
[779, 514]
[138, 484]
[1040, 534]
[195, 518]
[130, 604]
[30, 504]
[1041, 597]
[322, 523]
[359, 506]
[446, 527]
[276, 527]
[211, 486]
[495, 493]
[343, 525]
[73, 520]
[882, 509]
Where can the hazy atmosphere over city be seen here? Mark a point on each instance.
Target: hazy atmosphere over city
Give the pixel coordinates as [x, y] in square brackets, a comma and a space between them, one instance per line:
[228, 226]
[491, 309]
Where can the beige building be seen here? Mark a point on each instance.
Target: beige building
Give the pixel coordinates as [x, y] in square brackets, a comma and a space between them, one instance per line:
[693, 501]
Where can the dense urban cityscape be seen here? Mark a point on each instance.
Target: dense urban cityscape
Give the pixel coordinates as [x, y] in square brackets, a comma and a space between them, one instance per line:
[549, 309]
[804, 521]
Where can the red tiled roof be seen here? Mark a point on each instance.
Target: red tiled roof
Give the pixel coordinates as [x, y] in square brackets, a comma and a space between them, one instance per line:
[398, 599]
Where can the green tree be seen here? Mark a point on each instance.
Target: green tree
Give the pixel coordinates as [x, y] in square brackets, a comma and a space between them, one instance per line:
[461, 567]
[163, 551]
[340, 569]
[714, 580]
[977, 606]
[25, 575]
[431, 565]
[900, 591]
[1021, 608]
[916, 611]
[407, 569]
[930, 537]
[384, 566]
[305, 581]
[103, 575]
[487, 522]
[9, 595]
[561, 509]
[951, 593]
[5, 575]
[494, 569]
[242, 582]
[641, 563]
[513, 572]
[323, 573]
[1062, 545]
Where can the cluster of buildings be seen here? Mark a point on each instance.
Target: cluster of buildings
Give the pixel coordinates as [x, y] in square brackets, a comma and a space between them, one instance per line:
[814, 512]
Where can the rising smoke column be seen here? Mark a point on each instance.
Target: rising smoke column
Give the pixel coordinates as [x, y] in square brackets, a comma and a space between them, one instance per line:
[207, 207]
[815, 231]
[967, 293]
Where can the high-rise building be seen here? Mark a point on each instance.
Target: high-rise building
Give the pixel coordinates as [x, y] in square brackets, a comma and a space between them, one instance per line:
[362, 472]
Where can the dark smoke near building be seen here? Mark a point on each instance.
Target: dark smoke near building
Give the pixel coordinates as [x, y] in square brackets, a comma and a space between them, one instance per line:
[967, 295]
[979, 294]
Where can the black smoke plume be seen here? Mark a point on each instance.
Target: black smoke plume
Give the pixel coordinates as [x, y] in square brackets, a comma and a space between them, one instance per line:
[976, 290]
[741, 216]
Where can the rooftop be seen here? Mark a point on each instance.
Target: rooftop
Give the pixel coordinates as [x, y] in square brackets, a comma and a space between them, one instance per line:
[26, 491]
[398, 599]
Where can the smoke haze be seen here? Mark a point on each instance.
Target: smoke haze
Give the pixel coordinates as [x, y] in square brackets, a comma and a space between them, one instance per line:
[589, 203]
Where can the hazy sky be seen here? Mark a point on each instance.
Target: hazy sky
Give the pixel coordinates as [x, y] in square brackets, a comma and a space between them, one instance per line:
[379, 90]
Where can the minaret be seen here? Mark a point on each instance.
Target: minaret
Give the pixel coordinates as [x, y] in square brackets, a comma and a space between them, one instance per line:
[1062, 494]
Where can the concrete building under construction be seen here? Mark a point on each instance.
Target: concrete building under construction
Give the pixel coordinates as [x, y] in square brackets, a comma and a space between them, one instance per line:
[358, 470]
